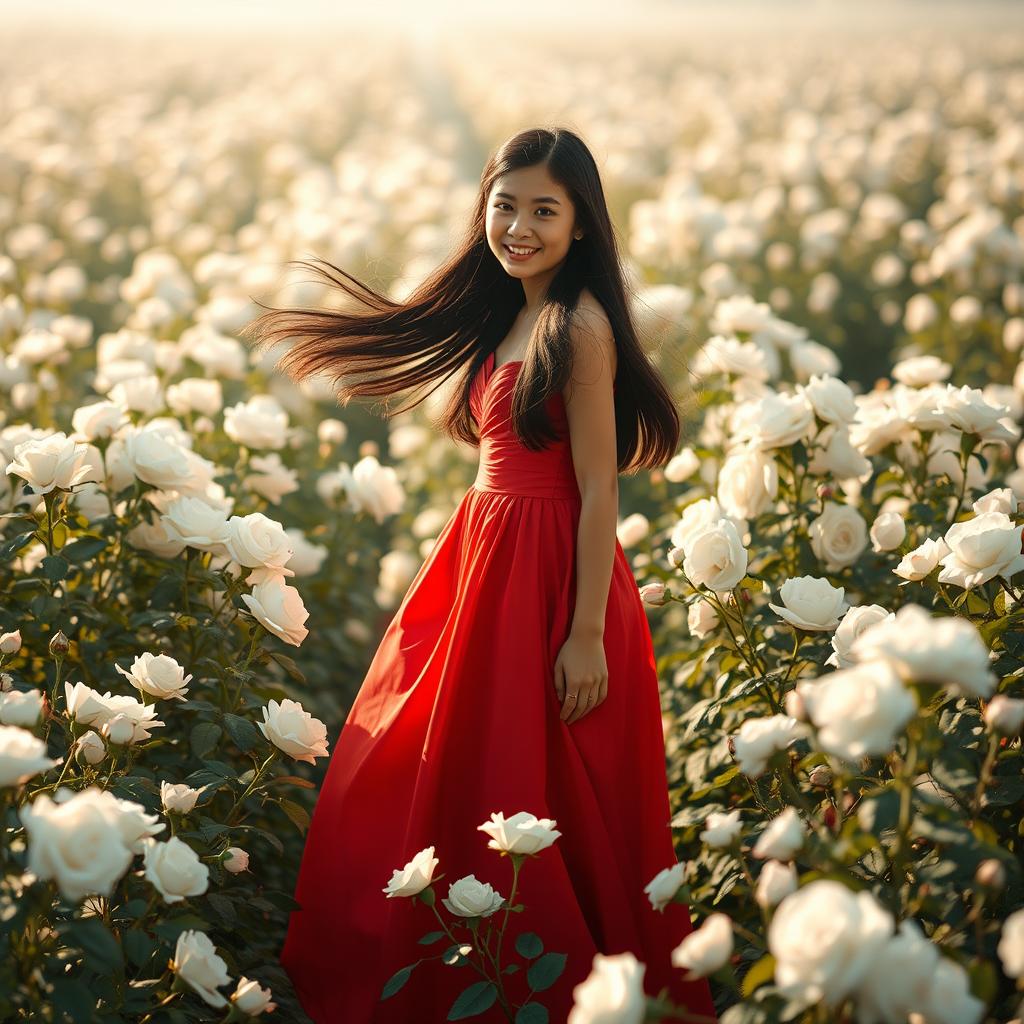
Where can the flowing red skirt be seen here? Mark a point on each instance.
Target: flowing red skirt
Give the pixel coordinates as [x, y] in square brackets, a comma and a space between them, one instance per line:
[458, 717]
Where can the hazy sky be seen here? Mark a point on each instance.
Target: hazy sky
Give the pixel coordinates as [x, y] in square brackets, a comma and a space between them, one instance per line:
[409, 14]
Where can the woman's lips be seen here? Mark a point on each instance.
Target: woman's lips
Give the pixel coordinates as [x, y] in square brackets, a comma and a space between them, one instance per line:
[516, 256]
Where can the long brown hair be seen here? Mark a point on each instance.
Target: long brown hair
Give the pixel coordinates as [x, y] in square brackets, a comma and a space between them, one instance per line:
[458, 316]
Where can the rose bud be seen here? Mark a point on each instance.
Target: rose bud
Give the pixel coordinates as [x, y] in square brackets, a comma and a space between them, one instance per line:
[991, 874]
[821, 776]
[59, 644]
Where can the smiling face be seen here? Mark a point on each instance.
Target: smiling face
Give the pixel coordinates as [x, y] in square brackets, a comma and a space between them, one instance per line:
[528, 210]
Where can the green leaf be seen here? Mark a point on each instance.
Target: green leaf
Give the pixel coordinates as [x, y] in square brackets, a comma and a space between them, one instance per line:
[543, 973]
[396, 981]
[103, 953]
[288, 664]
[479, 997]
[13, 546]
[55, 568]
[297, 814]
[203, 738]
[529, 945]
[84, 548]
[72, 998]
[760, 973]
[138, 946]
[532, 1013]
[245, 735]
[430, 938]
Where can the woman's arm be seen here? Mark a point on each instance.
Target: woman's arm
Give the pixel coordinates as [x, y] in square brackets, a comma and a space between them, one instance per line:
[590, 411]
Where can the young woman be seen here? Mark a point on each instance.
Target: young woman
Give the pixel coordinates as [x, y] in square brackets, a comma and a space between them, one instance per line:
[518, 672]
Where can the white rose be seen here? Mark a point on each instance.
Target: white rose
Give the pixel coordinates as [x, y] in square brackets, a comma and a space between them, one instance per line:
[999, 500]
[887, 532]
[10, 643]
[653, 593]
[178, 797]
[917, 564]
[22, 755]
[917, 371]
[235, 860]
[900, 978]
[251, 998]
[782, 838]
[664, 885]
[730, 355]
[468, 897]
[682, 466]
[58, 833]
[279, 608]
[968, 411]
[632, 529]
[852, 624]
[696, 516]
[258, 423]
[831, 399]
[774, 421]
[810, 603]
[748, 483]
[196, 394]
[373, 488]
[811, 357]
[838, 536]
[152, 537]
[21, 707]
[175, 870]
[306, 557]
[522, 832]
[833, 453]
[950, 1000]
[197, 963]
[294, 730]
[256, 540]
[118, 730]
[701, 618]
[1005, 715]
[722, 828]
[129, 817]
[859, 710]
[89, 748]
[706, 949]
[87, 706]
[196, 523]
[331, 431]
[613, 992]
[273, 479]
[1011, 945]
[981, 548]
[51, 462]
[775, 883]
[714, 557]
[824, 939]
[142, 394]
[97, 420]
[157, 457]
[946, 650]
[159, 675]
[414, 877]
[921, 313]
[759, 738]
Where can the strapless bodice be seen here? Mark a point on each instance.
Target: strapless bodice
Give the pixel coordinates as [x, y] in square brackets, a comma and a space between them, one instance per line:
[505, 463]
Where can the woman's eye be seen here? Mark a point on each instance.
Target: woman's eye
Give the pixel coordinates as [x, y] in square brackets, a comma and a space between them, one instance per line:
[546, 209]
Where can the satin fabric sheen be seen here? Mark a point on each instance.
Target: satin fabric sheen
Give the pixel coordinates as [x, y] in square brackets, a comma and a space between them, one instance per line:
[458, 717]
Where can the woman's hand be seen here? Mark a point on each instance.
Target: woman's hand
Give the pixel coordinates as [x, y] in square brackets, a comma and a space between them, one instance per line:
[581, 671]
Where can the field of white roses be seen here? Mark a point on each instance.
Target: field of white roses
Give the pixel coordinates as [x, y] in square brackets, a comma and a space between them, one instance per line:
[196, 556]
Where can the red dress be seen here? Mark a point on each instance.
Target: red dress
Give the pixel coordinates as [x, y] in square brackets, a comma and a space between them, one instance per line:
[458, 717]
